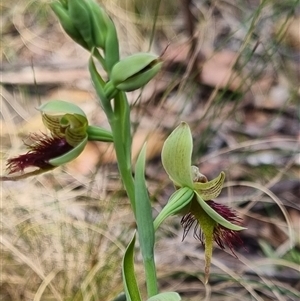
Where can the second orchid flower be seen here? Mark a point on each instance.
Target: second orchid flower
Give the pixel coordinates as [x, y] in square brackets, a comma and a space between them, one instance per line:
[69, 134]
[193, 198]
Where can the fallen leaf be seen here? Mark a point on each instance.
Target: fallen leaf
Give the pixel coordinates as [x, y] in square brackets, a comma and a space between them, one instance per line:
[218, 71]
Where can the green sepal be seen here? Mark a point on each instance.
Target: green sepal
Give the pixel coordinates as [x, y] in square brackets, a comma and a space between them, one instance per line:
[210, 190]
[96, 133]
[111, 49]
[176, 156]
[216, 216]
[178, 200]
[60, 107]
[130, 283]
[71, 155]
[168, 296]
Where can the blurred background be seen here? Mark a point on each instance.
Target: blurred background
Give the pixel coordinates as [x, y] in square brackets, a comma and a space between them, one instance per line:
[231, 70]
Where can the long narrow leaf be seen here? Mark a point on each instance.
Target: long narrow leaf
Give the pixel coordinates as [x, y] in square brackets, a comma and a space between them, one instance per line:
[145, 223]
[129, 280]
[143, 208]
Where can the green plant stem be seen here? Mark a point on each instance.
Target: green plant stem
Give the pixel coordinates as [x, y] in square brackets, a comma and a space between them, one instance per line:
[99, 57]
[122, 108]
[120, 125]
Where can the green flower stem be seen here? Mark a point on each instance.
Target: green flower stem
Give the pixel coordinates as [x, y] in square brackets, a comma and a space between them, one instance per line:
[99, 87]
[96, 133]
[119, 120]
[99, 57]
[120, 126]
[122, 109]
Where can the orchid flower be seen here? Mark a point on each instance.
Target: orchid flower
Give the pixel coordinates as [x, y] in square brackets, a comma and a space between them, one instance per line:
[69, 133]
[193, 197]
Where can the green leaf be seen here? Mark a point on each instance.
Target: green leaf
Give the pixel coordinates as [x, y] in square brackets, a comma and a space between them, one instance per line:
[145, 223]
[176, 156]
[169, 296]
[216, 216]
[143, 208]
[178, 200]
[130, 284]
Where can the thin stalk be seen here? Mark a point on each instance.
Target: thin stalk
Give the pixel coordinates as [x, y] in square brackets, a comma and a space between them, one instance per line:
[120, 125]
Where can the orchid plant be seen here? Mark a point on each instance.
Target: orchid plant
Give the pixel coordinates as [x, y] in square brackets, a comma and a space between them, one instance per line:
[88, 24]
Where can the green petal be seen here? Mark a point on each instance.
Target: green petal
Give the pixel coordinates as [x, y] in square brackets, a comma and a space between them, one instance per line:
[207, 224]
[210, 190]
[60, 107]
[178, 200]
[52, 123]
[216, 216]
[75, 128]
[71, 155]
[176, 156]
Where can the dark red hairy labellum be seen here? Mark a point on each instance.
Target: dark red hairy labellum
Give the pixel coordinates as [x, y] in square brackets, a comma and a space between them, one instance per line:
[42, 149]
[222, 235]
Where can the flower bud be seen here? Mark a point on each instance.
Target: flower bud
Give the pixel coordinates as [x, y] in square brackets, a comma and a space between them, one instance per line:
[67, 23]
[81, 17]
[135, 71]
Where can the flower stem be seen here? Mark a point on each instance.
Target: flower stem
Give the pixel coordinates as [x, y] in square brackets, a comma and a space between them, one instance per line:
[120, 125]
